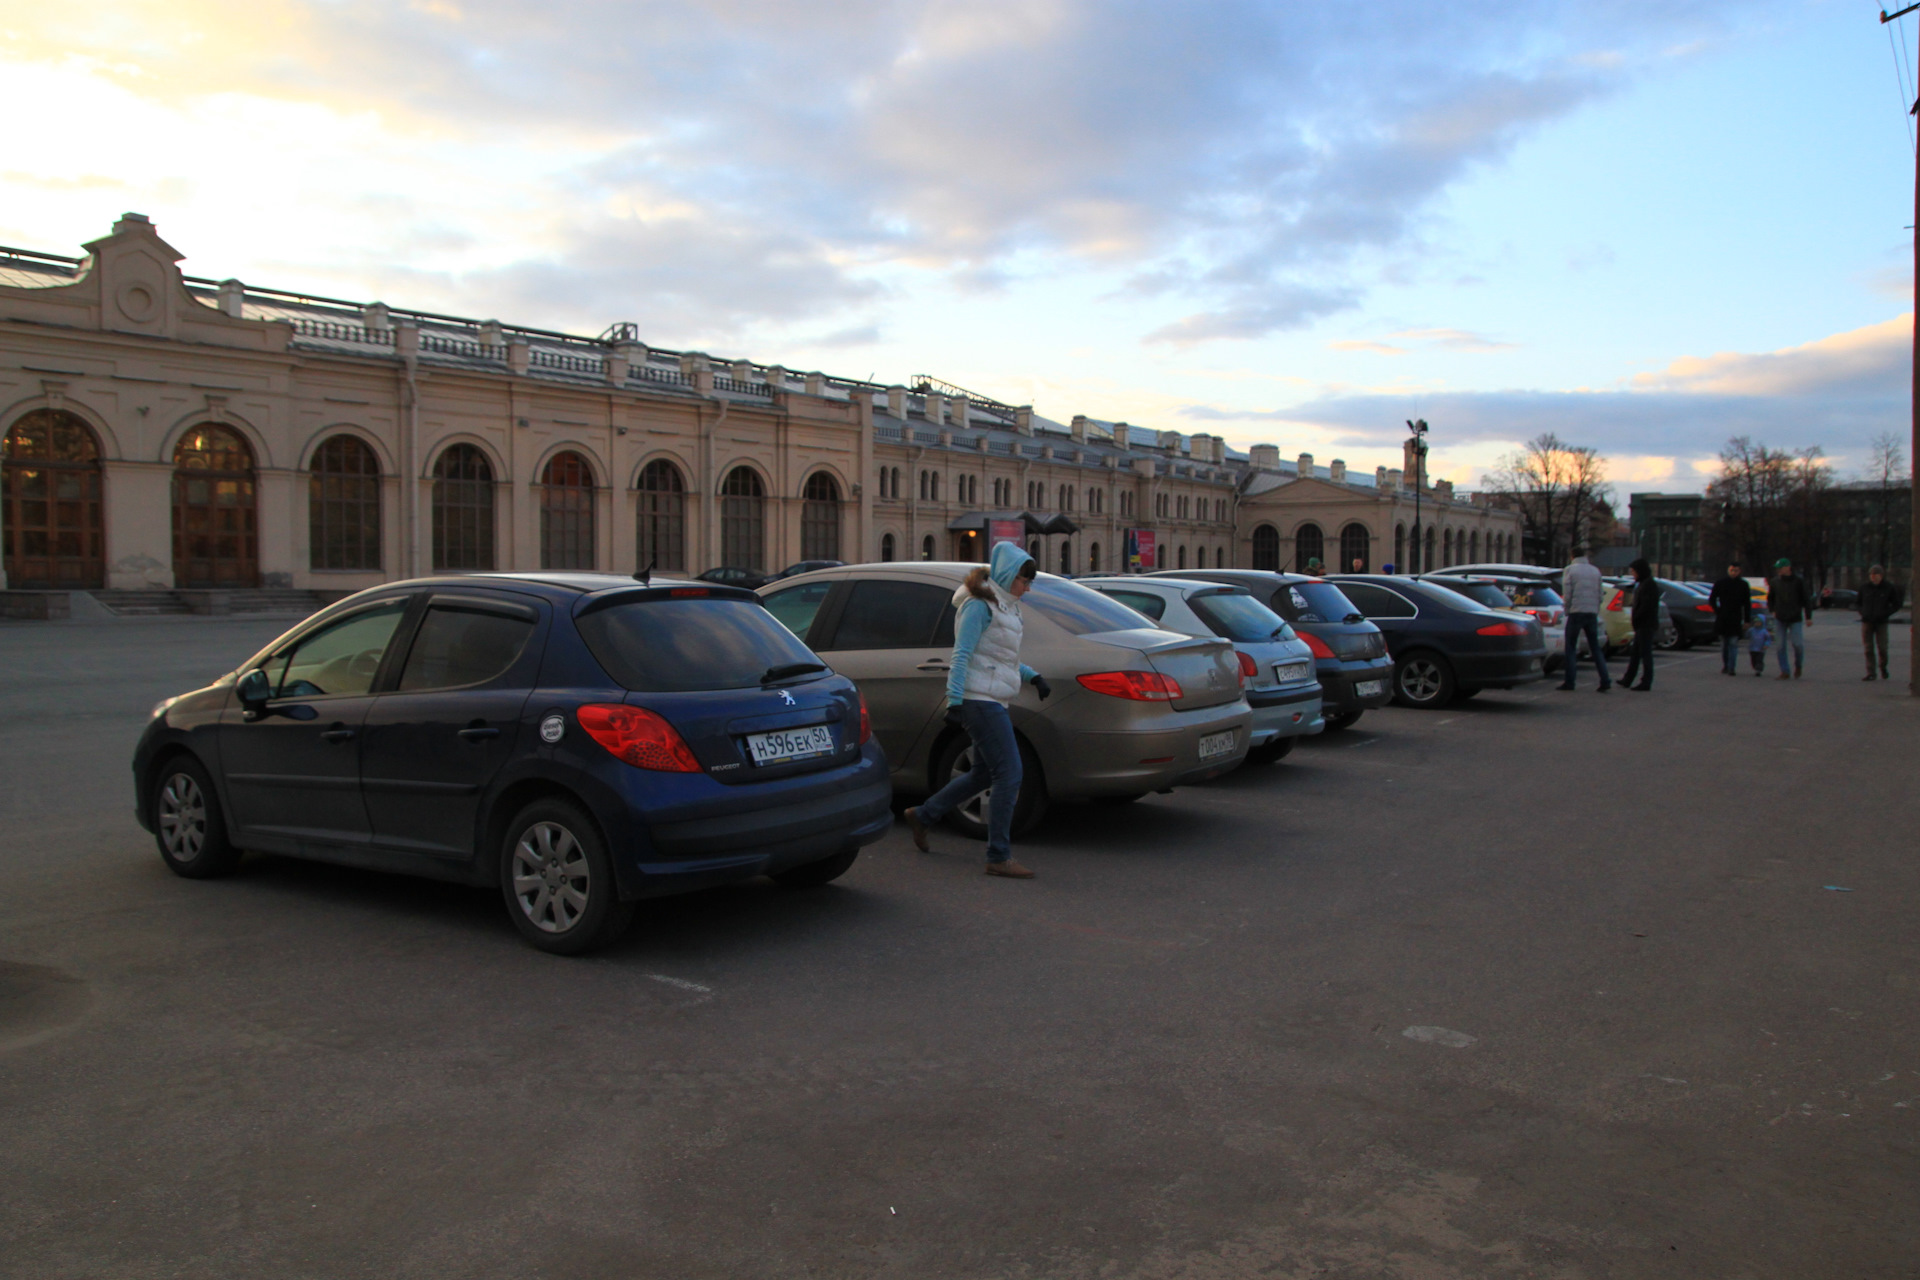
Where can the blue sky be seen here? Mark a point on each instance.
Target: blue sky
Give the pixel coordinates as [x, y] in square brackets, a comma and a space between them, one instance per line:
[1644, 226]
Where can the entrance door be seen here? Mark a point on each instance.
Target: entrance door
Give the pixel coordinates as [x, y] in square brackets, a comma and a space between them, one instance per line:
[216, 540]
[51, 487]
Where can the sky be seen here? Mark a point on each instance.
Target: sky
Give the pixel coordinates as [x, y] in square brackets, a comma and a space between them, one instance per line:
[1643, 226]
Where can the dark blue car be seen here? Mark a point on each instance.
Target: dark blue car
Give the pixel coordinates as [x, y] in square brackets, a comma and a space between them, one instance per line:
[580, 740]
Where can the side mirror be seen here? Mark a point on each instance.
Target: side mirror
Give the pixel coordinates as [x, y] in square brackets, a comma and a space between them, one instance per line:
[254, 691]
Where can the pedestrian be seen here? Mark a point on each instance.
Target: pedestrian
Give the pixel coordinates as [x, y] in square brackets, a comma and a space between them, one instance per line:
[1581, 587]
[1758, 637]
[984, 675]
[1314, 567]
[1791, 604]
[1646, 627]
[1732, 601]
[1386, 568]
[1359, 565]
[1879, 601]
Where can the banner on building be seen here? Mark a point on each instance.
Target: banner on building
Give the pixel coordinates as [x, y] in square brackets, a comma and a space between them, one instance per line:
[999, 531]
[1140, 550]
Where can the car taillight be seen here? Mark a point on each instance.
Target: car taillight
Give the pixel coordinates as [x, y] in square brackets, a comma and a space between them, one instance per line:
[1613, 605]
[866, 722]
[638, 737]
[1141, 686]
[1703, 608]
[1502, 629]
[1248, 667]
[1315, 643]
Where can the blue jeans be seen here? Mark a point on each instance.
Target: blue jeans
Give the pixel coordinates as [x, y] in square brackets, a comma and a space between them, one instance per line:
[996, 764]
[1587, 624]
[1795, 634]
[1729, 653]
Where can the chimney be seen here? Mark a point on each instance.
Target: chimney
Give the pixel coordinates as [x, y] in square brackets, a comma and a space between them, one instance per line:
[962, 412]
[1078, 427]
[233, 296]
[897, 402]
[1443, 490]
[1023, 419]
[1396, 480]
[816, 384]
[935, 408]
[1304, 464]
[1337, 471]
[1122, 436]
[374, 317]
[1264, 457]
[1171, 441]
[1380, 479]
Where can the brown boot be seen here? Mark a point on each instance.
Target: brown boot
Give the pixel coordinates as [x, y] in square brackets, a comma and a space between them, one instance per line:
[918, 828]
[1010, 869]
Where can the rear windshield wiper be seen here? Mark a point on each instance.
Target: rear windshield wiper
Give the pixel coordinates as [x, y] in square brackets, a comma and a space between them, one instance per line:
[791, 670]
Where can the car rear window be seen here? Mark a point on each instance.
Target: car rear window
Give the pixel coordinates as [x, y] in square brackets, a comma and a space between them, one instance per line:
[676, 646]
[1235, 615]
[1313, 602]
[1139, 601]
[1484, 592]
[1079, 610]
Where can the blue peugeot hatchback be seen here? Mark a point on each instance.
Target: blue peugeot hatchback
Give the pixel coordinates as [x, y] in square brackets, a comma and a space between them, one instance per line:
[580, 740]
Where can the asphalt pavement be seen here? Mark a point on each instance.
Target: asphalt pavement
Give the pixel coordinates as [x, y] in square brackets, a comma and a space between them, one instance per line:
[1545, 984]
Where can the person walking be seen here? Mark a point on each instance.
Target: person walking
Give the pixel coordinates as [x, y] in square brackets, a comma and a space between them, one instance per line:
[1791, 604]
[1580, 585]
[1732, 602]
[1757, 641]
[1879, 601]
[1646, 627]
[985, 674]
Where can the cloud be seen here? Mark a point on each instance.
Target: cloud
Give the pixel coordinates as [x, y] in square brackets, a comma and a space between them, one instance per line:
[1454, 340]
[1377, 348]
[1877, 357]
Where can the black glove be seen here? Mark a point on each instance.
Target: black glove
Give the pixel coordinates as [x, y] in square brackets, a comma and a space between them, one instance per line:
[1045, 689]
[953, 715]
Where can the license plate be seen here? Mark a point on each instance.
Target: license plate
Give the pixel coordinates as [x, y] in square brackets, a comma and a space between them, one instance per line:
[1534, 665]
[1288, 672]
[1369, 688]
[1215, 745]
[790, 744]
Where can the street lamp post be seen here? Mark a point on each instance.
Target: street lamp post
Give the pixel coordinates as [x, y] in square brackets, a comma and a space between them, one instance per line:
[1418, 426]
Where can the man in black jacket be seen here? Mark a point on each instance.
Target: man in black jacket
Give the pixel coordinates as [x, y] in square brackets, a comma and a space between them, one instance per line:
[1879, 600]
[1732, 601]
[1646, 626]
[1791, 605]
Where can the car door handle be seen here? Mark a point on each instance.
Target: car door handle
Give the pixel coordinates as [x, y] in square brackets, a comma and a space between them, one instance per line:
[933, 664]
[479, 731]
[339, 733]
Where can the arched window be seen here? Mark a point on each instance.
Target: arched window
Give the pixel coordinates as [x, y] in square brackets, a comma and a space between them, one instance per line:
[1356, 544]
[51, 488]
[1309, 544]
[1400, 548]
[926, 547]
[743, 520]
[216, 539]
[1219, 557]
[886, 547]
[1266, 548]
[462, 510]
[1426, 558]
[660, 535]
[1066, 556]
[1033, 549]
[1093, 557]
[1183, 556]
[1473, 547]
[820, 518]
[343, 506]
[566, 513]
[1446, 548]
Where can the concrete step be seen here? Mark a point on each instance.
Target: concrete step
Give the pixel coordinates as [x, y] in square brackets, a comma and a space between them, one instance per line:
[141, 604]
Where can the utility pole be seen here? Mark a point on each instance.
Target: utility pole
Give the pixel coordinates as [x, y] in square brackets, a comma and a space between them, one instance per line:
[1418, 426]
[1913, 572]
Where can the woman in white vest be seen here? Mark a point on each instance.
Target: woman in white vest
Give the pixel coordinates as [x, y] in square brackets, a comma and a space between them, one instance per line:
[985, 675]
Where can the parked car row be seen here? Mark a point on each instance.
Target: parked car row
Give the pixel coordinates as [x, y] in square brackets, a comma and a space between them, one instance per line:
[581, 741]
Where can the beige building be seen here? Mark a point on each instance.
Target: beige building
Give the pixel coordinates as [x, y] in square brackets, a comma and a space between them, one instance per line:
[167, 433]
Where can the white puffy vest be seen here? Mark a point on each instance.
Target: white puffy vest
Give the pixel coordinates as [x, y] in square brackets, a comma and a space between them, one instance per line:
[994, 671]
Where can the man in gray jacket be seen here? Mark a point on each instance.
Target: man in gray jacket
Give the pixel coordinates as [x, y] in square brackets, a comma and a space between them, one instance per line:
[1580, 587]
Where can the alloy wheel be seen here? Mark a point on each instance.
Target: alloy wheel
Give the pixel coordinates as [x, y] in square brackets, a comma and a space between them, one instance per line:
[551, 879]
[182, 818]
[978, 808]
[1420, 680]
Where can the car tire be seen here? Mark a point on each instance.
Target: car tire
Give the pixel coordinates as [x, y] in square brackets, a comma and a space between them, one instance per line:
[811, 875]
[558, 880]
[1424, 680]
[1116, 801]
[1462, 692]
[188, 824]
[1273, 753]
[1343, 720]
[967, 819]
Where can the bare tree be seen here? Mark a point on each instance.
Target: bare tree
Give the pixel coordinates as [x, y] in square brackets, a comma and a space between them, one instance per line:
[1886, 475]
[1557, 488]
[1767, 503]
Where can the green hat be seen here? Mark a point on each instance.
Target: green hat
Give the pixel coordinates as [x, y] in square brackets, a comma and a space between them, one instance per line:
[1782, 563]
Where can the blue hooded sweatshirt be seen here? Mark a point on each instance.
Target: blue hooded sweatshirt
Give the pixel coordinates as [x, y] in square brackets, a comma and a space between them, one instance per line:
[975, 616]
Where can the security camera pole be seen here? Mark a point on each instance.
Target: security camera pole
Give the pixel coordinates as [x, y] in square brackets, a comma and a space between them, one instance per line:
[1418, 426]
[1913, 629]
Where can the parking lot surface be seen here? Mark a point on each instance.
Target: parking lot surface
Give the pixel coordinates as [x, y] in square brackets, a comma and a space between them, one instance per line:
[1542, 985]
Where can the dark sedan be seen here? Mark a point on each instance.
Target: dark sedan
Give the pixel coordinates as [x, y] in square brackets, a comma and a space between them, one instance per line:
[734, 576]
[1692, 615]
[1444, 644]
[579, 741]
[1350, 654]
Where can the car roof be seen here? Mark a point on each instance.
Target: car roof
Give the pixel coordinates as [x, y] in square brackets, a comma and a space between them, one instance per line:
[1229, 575]
[1182, 586]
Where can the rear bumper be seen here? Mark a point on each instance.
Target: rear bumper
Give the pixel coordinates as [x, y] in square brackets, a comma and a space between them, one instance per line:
[1337, 695]
[1089, 764]
[1285, 713]
[1500, 670]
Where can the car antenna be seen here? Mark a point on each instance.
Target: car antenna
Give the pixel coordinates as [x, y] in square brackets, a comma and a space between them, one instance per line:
[645, 576]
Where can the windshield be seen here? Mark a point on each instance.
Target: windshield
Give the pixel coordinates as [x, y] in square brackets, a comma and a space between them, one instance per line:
[1314, 602]
[1534, 595]
[677, 646]
[1484, 592]
[1080, 610]
[1236, 615]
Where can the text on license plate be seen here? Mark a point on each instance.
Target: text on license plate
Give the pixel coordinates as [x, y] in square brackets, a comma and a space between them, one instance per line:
[1288, 672]
[1369, 688]
[791, 744]
[1215, 745]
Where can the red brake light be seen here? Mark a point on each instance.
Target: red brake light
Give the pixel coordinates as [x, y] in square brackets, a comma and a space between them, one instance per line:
[1613, 605]
[1248, 667]
[1703, 608]
[1141, 686]
[866, 722]
[678, 592]
[1315, 643]
[637, 736]
[1502, 629]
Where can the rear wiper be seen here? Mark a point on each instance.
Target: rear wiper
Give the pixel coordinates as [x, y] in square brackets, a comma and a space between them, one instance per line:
[790, 670]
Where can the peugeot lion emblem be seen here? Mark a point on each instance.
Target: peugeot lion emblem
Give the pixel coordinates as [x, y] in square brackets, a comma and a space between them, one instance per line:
[789, 698]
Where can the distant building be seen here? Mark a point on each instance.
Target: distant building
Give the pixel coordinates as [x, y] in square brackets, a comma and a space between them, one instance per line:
[1666, 528]
[1868, 524]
